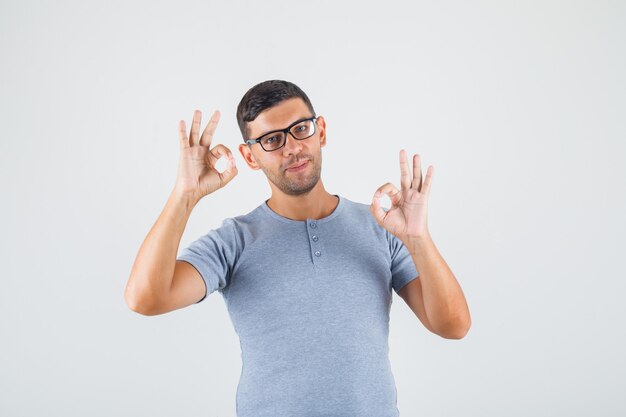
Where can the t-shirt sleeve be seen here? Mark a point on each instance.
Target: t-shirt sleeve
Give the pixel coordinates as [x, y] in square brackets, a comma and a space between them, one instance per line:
[213, 255]
[403, 268]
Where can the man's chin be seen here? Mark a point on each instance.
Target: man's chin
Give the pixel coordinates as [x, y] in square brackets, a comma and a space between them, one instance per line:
[299, 190]
[292, 187]
[297, 193]
[294, 190]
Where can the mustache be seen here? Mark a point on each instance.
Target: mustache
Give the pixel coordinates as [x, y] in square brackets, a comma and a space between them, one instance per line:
[299, 158]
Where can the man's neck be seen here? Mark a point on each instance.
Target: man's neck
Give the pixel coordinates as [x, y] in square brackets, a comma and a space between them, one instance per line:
[316, 204]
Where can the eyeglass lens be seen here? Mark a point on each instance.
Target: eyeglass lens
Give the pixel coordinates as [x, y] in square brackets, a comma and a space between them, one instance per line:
[276, 140]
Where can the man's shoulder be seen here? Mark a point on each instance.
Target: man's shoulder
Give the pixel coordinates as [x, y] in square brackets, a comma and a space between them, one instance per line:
[243, 220]
[355, 205]
[354, 208]
[358, 217]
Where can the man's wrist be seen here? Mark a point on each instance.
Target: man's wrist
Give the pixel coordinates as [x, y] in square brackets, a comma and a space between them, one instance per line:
[417, 242]
[185, 198]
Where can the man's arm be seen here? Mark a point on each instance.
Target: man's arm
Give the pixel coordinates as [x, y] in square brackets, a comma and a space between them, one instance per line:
[442, 303]
[158, 283]
[436, 297]
[150, 289]
[411, 293]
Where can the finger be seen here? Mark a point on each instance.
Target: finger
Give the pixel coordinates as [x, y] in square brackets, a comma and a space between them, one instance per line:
[375, 208]
[405, 174]
[231, 171]
[195, 128]
[417, 173]
[391, 191]
[428, 180]
[182, 134]
[207, 135]
[220, 150]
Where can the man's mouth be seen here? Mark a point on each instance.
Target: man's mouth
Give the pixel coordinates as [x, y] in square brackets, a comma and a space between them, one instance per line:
[298, 166]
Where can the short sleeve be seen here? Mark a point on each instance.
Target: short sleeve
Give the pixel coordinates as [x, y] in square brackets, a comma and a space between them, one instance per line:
[213, 255]
[403, 268]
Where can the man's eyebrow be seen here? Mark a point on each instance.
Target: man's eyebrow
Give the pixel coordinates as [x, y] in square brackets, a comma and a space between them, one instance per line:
[291, 124]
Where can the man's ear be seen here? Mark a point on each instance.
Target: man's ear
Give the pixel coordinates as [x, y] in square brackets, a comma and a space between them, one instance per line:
[245, 151]
[321, 125]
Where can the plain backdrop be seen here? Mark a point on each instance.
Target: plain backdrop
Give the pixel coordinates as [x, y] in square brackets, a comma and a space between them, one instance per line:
[519, 106]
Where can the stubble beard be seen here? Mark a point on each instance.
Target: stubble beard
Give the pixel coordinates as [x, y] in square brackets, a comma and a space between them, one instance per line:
[287, 183]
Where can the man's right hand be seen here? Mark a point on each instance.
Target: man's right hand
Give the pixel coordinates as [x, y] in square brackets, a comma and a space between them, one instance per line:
[197, 175]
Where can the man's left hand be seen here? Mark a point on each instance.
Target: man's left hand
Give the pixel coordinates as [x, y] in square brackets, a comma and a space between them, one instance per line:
[407, 218]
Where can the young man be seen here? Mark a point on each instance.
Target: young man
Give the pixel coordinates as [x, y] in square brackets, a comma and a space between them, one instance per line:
[307, 276]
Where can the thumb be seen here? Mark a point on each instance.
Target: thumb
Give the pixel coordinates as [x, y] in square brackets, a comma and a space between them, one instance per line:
[230, 172]
[376, 209]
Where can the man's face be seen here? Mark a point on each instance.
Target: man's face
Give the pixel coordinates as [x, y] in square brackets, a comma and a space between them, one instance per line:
[296, 167]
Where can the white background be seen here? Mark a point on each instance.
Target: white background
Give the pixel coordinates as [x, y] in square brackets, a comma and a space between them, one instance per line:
[519, 106]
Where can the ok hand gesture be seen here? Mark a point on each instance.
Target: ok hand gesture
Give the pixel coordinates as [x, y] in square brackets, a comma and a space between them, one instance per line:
[197, 175]
[407, 218]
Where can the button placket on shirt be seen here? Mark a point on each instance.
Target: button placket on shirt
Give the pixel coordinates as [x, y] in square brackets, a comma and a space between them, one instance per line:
[314, 240]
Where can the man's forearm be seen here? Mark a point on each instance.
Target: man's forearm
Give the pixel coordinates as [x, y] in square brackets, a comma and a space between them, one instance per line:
[152, 272]
[445, 304]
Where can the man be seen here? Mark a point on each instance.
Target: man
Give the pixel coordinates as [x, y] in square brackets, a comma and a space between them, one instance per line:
[307, 276]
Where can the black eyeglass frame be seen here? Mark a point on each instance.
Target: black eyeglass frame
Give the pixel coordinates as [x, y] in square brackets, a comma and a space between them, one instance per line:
[286, 131]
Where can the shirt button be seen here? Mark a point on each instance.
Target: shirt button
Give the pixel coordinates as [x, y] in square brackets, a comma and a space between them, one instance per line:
[313, 225]
[315, 238]
[318, 253]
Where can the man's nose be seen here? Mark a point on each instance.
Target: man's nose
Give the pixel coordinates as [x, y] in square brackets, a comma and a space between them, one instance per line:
[292, 145]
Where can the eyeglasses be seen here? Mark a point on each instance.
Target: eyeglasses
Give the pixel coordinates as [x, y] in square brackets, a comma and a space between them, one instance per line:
[276, 139]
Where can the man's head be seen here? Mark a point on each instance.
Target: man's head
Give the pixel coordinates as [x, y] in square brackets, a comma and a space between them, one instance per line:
[275, 105]
[263, 96]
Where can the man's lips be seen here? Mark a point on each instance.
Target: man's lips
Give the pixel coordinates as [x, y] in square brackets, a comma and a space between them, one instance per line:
[297, 166]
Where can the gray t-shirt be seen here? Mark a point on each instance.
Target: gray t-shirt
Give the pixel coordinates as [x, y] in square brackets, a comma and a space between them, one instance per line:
[310, 302]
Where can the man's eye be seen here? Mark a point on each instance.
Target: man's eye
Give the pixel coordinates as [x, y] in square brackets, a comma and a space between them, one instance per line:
[271, 139]
[301, 128]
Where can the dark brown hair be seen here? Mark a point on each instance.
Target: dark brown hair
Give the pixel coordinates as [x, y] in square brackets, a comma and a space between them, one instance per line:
[263, 96]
